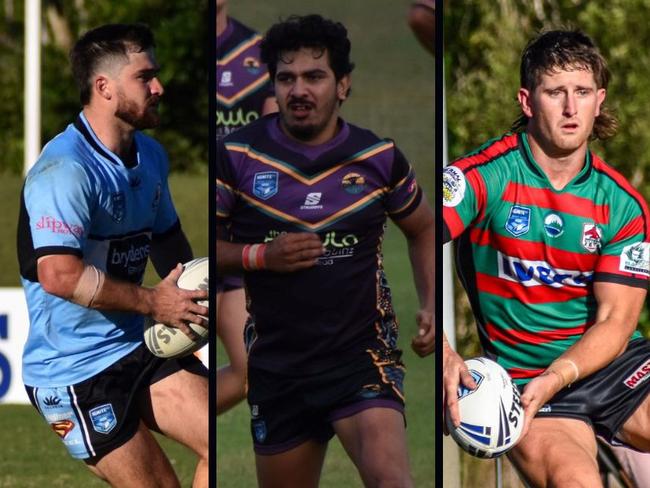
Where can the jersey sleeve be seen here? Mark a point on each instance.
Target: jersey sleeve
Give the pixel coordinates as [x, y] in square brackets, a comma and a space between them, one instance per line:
[166, 218]
[625, 257]
[461, 194]
[404, 193]
[226, 194]
[59, 197]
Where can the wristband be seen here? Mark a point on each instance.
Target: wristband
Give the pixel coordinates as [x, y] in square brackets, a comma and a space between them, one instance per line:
[252, 257]
[88, 287]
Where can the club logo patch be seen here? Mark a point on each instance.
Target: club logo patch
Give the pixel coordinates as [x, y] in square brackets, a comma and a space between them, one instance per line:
[463, 391]
[252, 65]
[265, 184]
[353, 183]
[591, 236]
[103, 418]
[453, 186]
[518, 222]
[553, 225]
[635, 258]
[259, 429]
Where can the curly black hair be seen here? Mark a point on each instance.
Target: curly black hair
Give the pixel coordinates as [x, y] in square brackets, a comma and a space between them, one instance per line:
[311, 31]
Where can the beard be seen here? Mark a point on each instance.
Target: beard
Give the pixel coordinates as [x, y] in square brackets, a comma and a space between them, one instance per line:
[306, 132]
[137, 117]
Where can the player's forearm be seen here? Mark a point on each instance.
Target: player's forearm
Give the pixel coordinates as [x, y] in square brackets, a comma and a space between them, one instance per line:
[121, 296]
[229, 257]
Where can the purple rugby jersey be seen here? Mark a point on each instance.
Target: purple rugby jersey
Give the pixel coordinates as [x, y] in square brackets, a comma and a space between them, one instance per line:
[242, 80]
[343, 190]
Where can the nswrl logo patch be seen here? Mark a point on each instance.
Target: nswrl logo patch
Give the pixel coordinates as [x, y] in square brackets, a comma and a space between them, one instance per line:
[265, 184]
[103, 418]
[518, 222]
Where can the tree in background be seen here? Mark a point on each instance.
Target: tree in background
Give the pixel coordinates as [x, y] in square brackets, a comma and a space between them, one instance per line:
[181, 29]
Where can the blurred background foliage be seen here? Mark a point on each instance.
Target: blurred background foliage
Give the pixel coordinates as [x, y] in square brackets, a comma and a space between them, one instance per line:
[181, 31]
[483, 45]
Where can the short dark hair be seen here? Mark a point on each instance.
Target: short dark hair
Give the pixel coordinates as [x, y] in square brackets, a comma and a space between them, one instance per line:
[111, 40]
[568, 49]
[312, 31]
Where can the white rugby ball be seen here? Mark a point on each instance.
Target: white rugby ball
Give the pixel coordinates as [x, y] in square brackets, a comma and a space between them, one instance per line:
[491, 415]
[169, 342]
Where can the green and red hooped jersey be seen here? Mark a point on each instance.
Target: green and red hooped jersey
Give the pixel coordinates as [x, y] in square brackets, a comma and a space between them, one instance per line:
[528, 254]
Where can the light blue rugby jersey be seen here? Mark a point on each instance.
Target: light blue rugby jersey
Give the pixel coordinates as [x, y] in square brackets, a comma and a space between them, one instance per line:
[81, 199]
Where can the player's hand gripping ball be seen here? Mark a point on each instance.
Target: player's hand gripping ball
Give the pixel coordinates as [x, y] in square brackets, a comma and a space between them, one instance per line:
[169, 342]
[491, 415]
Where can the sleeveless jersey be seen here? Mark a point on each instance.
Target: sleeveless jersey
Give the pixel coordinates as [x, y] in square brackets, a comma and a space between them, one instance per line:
[242, 80]
[81, 199]
[343, 190]
[528, 254]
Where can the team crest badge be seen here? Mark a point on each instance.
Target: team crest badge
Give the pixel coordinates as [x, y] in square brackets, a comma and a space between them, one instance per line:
[591, 236]
[553, 225]
[518, 222]
[463, 391]
[103, 418]
[635, 258]
[117, 206]
[353, 183]
[252, 65]
[265, 184]
[259, 428]
[453, 186]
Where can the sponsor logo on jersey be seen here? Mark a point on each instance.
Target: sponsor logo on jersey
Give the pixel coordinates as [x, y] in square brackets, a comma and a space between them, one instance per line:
[553, 225]
[252, 65]
[229, 120]
[117, 206]
[127, 258]
[58, 226]
[370, 391]
[518, 222]
[463, 391]
[453, 186]
[103, 418]
[255, 411]
[635, 258]
[353, 183]
[640, 375]
[337, 247]
[412, 186]
[534, 273]
[51, 401]
[226, 79]
[591, 236]
[265, 184]
[312, 201]
[62, 427]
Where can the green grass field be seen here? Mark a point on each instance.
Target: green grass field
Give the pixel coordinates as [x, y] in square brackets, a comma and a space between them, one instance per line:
[392, 94]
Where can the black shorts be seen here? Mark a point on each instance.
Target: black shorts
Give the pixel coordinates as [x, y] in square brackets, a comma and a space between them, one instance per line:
[289, 410]
[607, 398]
[101, 413]
[229, 283]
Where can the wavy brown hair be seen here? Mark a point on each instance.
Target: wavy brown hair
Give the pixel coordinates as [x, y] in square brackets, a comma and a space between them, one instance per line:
[565, 50]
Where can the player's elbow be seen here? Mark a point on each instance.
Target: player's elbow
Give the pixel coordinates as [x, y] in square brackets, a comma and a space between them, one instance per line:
[55, 281]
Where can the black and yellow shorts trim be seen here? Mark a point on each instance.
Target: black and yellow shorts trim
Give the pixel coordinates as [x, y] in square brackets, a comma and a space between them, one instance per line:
[607, 398]
[287, 411]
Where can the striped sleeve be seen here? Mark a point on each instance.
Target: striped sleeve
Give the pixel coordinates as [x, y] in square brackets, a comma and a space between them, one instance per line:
[404, 194]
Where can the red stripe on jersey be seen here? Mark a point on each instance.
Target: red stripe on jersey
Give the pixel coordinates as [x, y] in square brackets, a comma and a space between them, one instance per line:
[565, 202]
[505, 144]
[515, 337]
[602, 166]
[520, 373]
[475, 179]
[610, 264]
[453, 221]
[529, 294]
[634, 227]
[534, 251]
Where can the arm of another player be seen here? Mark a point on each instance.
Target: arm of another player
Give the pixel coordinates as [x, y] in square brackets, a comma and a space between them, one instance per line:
[60, 275]
[617, 316]
[418, 227]
[286, 253]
